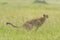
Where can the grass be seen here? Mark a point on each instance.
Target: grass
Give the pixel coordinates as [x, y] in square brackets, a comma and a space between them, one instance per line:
[17, 14]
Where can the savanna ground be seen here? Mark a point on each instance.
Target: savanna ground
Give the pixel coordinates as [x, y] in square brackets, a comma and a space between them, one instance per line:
[18, 13]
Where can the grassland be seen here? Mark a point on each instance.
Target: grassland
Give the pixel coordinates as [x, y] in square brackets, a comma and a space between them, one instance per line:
[18, 13]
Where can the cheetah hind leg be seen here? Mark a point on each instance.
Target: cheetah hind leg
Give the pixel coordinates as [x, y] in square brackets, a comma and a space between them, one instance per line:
[36, 28]
[28, 28]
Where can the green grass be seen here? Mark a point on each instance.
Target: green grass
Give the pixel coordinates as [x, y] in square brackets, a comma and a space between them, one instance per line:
[17, 14]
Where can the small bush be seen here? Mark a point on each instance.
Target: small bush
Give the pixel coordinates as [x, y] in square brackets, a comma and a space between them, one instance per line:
[44, 2]
[4, 3]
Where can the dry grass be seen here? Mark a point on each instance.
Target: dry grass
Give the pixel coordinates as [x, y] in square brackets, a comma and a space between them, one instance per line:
[19, 13]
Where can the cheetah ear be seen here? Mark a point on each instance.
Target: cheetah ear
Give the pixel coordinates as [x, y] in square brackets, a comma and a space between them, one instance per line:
[43, 15]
